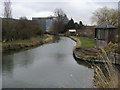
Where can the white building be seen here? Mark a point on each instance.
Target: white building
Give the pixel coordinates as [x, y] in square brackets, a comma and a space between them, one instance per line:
[72, 31]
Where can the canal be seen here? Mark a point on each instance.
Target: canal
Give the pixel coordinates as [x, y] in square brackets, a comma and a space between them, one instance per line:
[48, 66]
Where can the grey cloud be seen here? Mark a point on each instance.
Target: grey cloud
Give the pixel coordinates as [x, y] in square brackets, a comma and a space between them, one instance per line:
[79, 10]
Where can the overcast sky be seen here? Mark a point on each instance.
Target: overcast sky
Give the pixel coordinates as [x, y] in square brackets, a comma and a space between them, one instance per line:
[76, 9]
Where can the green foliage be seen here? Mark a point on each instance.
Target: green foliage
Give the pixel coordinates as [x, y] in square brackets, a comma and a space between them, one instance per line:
[81, 26]
[71, 24]
[74, 25]
[20, 29]
[77, 26]
[86, 42]
[80, 23]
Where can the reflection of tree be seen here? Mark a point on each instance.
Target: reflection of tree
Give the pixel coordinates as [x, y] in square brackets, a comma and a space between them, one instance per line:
[56, 38]
[23, 58]
[7, 64]
[59, 56]
[26, 58]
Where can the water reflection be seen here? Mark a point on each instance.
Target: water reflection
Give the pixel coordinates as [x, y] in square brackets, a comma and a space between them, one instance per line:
[23, 60]
[51, 66]
[48, 66]
[7, 64]
[56, 38]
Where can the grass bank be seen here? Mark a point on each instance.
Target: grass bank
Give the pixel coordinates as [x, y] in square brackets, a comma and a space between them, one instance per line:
[86, 42]
[84, 48]
[14, 45]
[83, 42]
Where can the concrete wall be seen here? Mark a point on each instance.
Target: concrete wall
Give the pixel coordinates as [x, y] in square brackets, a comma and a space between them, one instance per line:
[115, 58]
[100, 43]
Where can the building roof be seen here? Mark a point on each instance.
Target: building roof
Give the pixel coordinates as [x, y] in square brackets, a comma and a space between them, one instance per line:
[105, 25]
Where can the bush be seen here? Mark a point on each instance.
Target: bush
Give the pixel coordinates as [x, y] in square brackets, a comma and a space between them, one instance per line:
[20, 29]
[111, 47]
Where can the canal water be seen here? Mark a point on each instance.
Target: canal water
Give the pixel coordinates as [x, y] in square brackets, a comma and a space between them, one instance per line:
[47, 66]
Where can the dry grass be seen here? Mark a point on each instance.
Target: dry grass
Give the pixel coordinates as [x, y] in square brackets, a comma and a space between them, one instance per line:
[107, 75]
[78, 43]
[26, 43]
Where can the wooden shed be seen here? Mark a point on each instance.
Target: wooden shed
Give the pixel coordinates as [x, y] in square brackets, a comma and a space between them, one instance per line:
[104, 33]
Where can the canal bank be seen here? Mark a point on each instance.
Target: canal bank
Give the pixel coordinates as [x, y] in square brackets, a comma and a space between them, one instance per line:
[90, 53]
[23, 44]
[51, 65]
[106, 70]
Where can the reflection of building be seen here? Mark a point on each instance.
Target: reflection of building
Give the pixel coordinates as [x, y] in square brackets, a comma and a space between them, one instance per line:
[45, 22]
[104, 33]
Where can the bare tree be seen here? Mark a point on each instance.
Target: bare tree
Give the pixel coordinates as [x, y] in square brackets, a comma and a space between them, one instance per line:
[59, 13]
[106, 14]
[7, 9]
[61, 20]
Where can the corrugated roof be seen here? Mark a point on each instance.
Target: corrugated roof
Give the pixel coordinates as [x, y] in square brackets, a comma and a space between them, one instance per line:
[105, 25]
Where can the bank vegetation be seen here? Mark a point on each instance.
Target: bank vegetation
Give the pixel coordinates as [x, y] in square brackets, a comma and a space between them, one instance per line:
[21, 33]
[106, 73]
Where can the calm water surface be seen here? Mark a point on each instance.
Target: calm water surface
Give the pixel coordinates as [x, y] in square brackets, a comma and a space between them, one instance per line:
[48, 66]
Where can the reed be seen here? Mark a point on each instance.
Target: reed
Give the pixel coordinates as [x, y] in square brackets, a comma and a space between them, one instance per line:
[106, 76]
